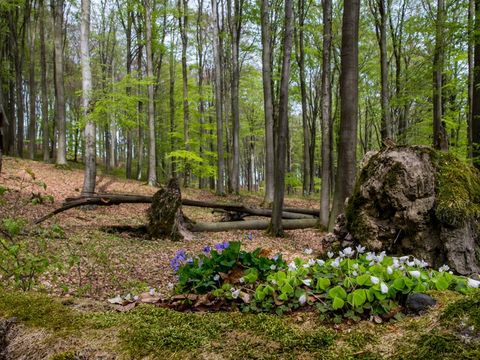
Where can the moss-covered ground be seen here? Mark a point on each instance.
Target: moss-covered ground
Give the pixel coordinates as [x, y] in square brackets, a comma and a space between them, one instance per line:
[450, 330]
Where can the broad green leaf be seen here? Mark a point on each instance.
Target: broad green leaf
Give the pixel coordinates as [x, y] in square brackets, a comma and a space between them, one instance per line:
[337, 303]
[337, 291]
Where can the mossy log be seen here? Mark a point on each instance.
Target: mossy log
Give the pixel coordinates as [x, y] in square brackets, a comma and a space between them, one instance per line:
[414, 200]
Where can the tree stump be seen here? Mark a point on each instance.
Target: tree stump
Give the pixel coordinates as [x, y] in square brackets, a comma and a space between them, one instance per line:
[414, 200]
[165, 215]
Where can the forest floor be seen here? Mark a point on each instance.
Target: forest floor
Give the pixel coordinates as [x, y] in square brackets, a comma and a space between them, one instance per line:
[66, 316]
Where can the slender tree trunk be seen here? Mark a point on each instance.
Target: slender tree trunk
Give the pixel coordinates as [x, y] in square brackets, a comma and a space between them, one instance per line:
[300, 56]
[201, 102]
[182, 6]
[439, 132]
[32, 138]
[235, 23]
[60, 117]
[471, 46]
[268, 102]
[218, 101]
[172, 107]
[326, 167]
[347, 147]
[140, 110]
[90, 131]
[128, 31]
[476, 90]
[379, 11]
[275, 228]
[44, 98]
[152, 162]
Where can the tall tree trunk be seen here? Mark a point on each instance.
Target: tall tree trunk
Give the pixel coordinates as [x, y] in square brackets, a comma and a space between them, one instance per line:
[152, 171]
[60, 119]
[32, 138]
[235, 23]
[218, 101]
[300, 56]
[172, 106]
[90, 131]
[128, 32]
[275, 227]
[379, 11]
[346, 168]
[326, 167]
[476, 90]
[182, 6]
[43, 71]
[201, 70]
[471, 45]
[439, 132]
[268, 102]
[140, 108]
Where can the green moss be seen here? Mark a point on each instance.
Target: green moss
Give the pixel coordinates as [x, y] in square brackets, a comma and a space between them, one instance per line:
[65, 355]
[37, 310]
[465, 311]
[457, 188]
[153, 331]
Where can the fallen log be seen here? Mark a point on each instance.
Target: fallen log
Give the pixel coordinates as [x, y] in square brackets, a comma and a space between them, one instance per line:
[116, 199]
[252, 225]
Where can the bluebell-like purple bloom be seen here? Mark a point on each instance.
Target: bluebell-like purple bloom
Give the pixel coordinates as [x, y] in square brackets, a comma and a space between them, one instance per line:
[207, 249]
[249, 236]
[222, 246]
[275, 258]
[178, 260]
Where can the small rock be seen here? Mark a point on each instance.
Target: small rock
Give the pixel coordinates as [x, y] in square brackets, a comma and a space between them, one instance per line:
[418, 303]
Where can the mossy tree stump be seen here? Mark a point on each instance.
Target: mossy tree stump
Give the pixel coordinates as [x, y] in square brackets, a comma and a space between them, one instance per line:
[165, 215]
[414, 200]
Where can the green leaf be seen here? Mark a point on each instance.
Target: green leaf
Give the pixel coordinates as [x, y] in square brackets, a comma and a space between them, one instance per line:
[442, 283]
[363, 279]
[287, 289]
[357, 298]
[337, 291]
[323, 283]
[399, 283]
[337, 303]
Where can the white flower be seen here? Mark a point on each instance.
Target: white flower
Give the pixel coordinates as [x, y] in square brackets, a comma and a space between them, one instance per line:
[336, 263]
[410, 263]
[302, 299]
[374, 280]
[360, 249]
[330, 254]
[292, 266]
[242, 280]
[370, 256]
[444, 268]
[235, 293]
[383, 288]
[404, 258]
[420, 263]
[381, 256]
[473, 283]
[348, 251]
[151, 291]
[311, 262]
[307, 282]
[371, 263]
[354, 273]
[273, 267]
[389, 270]
[308, 251]
[306, 266]
[415, 274]
[320, 262]
[216, 277]
[274, 282]
[355, 266]
[170, 285]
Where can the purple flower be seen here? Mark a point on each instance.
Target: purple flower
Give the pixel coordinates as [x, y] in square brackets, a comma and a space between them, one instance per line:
[207, 249]
[249, 236]
[275, 258]
[222, 246]
[178, 260]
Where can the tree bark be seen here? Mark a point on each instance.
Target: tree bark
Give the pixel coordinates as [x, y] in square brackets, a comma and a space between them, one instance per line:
[43, 70]
[182, 6]
[60, 117]
[267, 101]
[152, 162]
[218, 101]
[90, 130]
[476, 90]
[275, 228]
[346, 169]
[252, 225]
[326, 102]
[471, 46]
[440, 141]
[32, 136]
